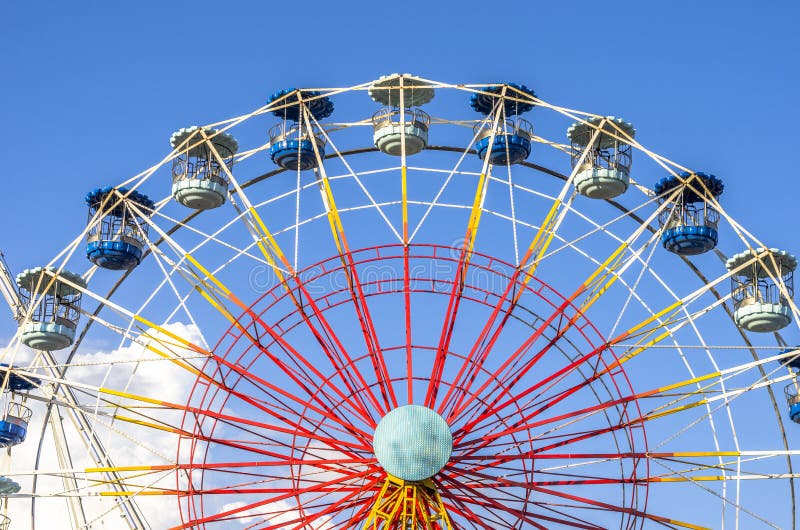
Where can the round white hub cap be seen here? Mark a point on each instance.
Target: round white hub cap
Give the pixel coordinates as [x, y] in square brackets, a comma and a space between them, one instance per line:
[412, 443]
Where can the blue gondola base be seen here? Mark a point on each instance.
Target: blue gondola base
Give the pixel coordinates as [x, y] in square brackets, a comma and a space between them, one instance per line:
[792, 392]
[511, 143]
[296, 154]
[292, 149]
[115, 255]
[16, 382]
[794, 412]
[507, 149]
[689, 240]
[14, 425]
[689, 222]
[12, 431]
[117, 241]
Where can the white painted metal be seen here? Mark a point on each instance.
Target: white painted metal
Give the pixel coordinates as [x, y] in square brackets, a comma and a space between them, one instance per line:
[9, 289]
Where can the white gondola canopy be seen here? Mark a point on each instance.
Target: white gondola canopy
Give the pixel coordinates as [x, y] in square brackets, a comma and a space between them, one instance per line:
[614, 130]
[191, 140]
[770, 262]
[39, 280]
[386, 90]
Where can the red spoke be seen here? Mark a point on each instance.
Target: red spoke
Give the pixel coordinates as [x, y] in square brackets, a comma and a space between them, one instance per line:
[262, 385]
[304, 521]
[341, 361]
[302, 364]
[251, 377]
[467, 498]
[237, 421]
[368, 330]
[359, 516]
[449, 324]
[565, 519]
[456, 505]
[482, 347]
[345, 369]
[464, 259]
[566, 370]
[476, 493]
[354, 285]
[521, 350]
[231, 490]
[282, 462]
[524, 423]
[590, 503]
[407, 306]
[286, 495]
[571, 482]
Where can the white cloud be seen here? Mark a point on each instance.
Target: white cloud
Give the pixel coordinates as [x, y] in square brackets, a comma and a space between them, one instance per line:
[131, 368]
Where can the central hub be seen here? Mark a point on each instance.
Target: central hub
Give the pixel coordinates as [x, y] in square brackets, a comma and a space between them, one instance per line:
[413, 443]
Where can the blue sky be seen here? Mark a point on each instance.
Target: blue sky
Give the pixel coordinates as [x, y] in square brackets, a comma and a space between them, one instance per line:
[91, 91]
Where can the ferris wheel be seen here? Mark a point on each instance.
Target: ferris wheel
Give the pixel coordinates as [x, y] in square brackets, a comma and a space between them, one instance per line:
[405, 304]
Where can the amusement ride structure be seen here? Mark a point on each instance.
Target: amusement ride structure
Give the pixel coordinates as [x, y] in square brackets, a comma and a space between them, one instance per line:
[342, 311]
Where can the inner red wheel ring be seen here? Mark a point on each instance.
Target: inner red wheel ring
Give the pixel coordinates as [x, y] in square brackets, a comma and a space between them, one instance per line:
[518, 407]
